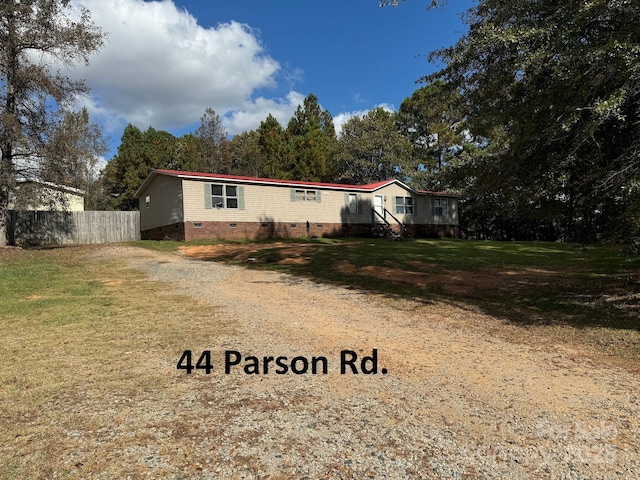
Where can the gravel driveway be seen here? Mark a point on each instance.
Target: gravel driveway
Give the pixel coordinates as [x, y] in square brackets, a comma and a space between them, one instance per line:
[455, 402]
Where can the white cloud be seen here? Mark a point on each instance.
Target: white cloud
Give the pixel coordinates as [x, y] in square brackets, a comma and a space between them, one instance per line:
[249, 116]
[160, 68]
[340, 119]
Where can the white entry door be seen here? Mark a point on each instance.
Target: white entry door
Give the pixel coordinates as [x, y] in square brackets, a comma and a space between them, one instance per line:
[378, 205]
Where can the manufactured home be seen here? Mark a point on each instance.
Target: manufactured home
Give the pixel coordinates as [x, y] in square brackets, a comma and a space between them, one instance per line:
[190, 206]
[38, 195]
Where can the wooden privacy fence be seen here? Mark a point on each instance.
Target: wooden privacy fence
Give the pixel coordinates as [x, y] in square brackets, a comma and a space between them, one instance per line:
[72, 228]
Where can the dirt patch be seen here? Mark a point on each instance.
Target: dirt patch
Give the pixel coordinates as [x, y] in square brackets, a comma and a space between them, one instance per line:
[11, 253]
[289, 253]
[457, 399]
[225, 251]
[421, 274]
[464, 283]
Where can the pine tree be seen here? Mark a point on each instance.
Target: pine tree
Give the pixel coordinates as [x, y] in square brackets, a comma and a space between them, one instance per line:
[312, 139]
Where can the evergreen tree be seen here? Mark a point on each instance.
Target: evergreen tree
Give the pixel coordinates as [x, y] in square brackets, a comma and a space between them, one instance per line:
[371, 149]
[137, 155]
[188, 153]
[244, 154]
[560, 84]
[212, 136]
[433, 121]
[554, 89]
[312, 139]
[274, 149]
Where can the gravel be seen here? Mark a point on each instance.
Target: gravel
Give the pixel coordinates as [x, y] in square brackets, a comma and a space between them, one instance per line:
[455, 402]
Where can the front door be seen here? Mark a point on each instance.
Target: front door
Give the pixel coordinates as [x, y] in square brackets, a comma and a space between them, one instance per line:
[378, 205]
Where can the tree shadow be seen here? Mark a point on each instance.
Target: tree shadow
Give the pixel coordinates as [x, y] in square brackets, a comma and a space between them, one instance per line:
[356, 218]
[271, 229]
[29, 228]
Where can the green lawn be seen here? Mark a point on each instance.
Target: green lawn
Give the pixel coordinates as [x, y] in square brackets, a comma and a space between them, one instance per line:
[591, 292]
[589, 295]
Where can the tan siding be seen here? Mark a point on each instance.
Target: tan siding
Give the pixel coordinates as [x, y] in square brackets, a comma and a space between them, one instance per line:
[392, 191]
[76, 202]
[450, 219]
[269, 203]
[421, 205]
[165, 206]
[423, 213]
[272, 203]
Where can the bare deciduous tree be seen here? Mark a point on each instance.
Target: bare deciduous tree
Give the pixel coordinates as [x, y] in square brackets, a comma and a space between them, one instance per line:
[35, 37]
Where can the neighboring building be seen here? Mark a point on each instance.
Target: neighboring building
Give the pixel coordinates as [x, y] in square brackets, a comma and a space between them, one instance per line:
[45, 196]
[190, 206]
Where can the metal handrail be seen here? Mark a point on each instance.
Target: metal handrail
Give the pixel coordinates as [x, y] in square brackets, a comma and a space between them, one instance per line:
[397, 221]
[384, 218]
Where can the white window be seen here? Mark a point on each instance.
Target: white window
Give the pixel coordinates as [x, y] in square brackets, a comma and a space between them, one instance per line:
[147, 201]
[352, 201]
[223, 196]
[404, 205]
[440, 207]
[217, 196]
[304, 195]
[231, 196]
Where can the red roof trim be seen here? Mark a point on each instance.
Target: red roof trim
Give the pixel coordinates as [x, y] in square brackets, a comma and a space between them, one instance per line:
[286, 183]
[207, 176]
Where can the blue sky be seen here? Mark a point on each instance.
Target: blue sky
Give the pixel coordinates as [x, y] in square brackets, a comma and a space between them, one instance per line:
[166, 61]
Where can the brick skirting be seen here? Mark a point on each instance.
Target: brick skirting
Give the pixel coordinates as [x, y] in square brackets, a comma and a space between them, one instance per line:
[254, 230]
[168, 232]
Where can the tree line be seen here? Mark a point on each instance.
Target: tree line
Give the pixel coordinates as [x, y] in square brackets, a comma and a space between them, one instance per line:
[370, 148]
[550, 92]
[534, 120]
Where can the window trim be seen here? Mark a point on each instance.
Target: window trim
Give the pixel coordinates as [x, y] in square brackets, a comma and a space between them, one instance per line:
[349, 203]
[442, 208]
[223, 199]
[306, 195]
[401, 208]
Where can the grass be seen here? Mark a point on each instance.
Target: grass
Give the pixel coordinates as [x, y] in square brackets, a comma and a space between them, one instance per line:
[168, 245]
[89, 347]
[586, 295]
[79, 331]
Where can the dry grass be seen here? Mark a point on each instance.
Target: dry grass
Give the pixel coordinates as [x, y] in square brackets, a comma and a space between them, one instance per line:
[89, 386]
[85, 343]
[547, 293]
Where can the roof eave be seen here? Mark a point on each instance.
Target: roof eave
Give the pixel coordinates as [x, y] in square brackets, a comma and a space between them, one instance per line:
[372, 187]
